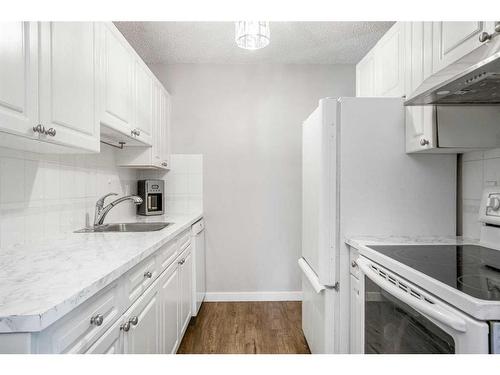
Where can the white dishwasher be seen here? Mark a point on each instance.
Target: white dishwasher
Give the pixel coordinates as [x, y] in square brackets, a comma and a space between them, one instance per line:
[198, 253]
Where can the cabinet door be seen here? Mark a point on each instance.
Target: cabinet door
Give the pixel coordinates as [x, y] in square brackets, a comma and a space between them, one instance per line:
[356, 322]
[67, 84]
[453, 40]
[144, 106]
[110, 342]
[186, 269]
[143, 337]
[165, 129]
[365, 76]
[18, 77]
[169, 310]
[420, 121]
[389, 63]
[116, 79]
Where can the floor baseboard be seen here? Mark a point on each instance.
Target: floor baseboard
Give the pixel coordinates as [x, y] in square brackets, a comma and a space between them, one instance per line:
[253, 296]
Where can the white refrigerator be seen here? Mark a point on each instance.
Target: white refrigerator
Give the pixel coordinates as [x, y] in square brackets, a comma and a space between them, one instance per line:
[358, 180]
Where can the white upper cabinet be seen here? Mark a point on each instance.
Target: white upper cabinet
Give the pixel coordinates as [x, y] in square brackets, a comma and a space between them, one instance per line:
[453, 40]
[18, 77]
[117, 74]
[420, 121]
[68, 84]
[144, 106]
[365, 76]
[381, 71]
[389, 63]
[164, 128]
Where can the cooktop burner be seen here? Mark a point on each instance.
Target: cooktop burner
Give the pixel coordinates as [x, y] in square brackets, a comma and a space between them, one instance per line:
[472, 269]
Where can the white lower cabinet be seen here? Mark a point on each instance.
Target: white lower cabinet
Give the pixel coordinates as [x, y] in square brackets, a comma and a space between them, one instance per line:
[110, 342]
[169, 310]
[356, 325]
[185, 272]
[141, 325]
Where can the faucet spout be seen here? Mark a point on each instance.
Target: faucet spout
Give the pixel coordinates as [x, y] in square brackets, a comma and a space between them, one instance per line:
[102, 211]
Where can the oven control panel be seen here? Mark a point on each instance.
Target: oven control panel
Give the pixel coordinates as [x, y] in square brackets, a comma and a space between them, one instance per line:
[489, 212]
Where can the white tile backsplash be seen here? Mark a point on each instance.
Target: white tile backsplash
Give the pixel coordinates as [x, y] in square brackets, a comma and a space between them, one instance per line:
[47, 196]
[480, 169]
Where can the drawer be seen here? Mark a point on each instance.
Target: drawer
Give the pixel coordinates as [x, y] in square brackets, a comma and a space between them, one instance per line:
[166, 255]
[78, 330]
[184, 239]
[353, 258]
[138, 279]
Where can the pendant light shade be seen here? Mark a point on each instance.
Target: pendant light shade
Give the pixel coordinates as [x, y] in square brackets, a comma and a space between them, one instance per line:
[252, 34]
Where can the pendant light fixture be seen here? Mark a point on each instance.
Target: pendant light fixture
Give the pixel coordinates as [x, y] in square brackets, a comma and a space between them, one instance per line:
[252, 34]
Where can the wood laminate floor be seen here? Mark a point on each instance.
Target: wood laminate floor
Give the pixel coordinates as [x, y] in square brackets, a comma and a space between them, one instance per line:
[246, 328]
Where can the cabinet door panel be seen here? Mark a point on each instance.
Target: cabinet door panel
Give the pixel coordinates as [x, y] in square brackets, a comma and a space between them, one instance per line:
[18, 77]
[453, 40]
[116, 81]
[389, 63]
[169, 297]
[356, 322]
[144, 102]
[143, 338]
[365, 76]
[186, 289]
[67, 84]
[109, 343]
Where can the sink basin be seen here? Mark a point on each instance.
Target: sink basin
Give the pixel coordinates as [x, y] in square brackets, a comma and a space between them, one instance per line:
[126, 227]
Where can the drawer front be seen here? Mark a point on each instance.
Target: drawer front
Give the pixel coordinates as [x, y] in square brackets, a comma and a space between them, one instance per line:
[184, 239]
[76, 332]
[166, 255]
[139, 278]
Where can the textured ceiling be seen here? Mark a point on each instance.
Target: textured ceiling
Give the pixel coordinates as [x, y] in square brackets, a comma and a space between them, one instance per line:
[291, 42]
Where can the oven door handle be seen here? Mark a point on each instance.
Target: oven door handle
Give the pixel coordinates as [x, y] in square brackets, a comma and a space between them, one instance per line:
[434, 311]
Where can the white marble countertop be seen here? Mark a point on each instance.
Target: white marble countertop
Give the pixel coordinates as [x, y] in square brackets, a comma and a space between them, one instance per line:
[40, 283]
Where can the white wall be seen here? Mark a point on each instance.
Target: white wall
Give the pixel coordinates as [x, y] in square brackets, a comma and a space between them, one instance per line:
[246, 121]
[479, 170]
[44, 197]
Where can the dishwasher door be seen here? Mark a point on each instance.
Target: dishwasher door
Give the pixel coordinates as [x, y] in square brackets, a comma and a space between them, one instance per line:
[199, 268]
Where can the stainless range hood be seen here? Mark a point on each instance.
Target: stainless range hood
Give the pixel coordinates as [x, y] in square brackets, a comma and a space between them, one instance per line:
[477, 85]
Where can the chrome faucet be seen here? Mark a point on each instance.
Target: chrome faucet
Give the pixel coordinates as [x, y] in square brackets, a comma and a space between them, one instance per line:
[101, 211]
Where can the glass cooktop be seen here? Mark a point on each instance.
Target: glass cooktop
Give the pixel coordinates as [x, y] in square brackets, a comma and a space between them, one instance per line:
[472, 269]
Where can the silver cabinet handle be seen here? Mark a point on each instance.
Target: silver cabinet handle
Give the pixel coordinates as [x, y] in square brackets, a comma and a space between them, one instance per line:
[424, 142]
[148, 274]
[51, 132]
[137, 132]
[182, 261]
[164, 164]
[484, 37]
[354, 264]
[497, 26]
[97, 320]
[39, 129]
[134, 320]
[125, 327]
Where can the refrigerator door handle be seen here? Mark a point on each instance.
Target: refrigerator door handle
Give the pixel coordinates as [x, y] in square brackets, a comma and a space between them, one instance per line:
[311, 276]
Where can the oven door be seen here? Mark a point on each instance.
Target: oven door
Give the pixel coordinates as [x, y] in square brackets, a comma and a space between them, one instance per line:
[398, 317]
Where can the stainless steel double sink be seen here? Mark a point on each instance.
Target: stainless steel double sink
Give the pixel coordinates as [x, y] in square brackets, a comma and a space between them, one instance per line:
[125, 227]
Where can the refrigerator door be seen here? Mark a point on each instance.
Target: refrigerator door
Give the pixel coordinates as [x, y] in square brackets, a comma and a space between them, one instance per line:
[319, 191]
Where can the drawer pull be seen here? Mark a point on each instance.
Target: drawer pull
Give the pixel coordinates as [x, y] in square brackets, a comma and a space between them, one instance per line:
[182, 261]
[148, 274]
[134, 320]
[125, 327]
[97, 320]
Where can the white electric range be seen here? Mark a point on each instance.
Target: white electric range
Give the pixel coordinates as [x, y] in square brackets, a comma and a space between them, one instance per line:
[428, 295]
